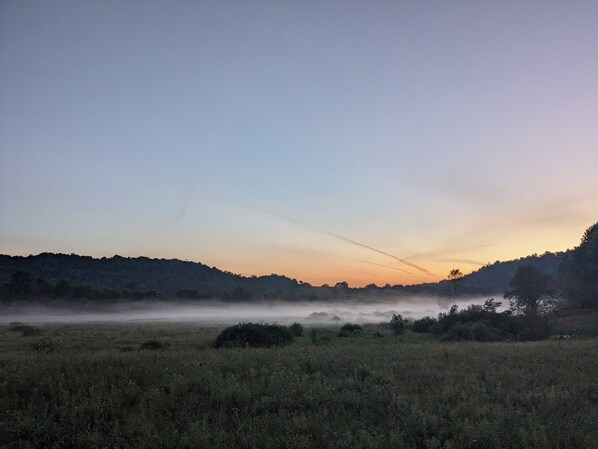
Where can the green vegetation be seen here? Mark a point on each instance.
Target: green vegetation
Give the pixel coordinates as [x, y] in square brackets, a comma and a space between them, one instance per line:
[152, 345]
[531, 291]
[254, 335]
[399, 384]
[96, 388]
[296, 329]
[348, 329]
[75, 279]
[47, 277]
[398, 324]
[579, 272]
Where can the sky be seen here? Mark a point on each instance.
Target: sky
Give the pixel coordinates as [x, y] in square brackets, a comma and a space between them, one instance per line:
[368, 142]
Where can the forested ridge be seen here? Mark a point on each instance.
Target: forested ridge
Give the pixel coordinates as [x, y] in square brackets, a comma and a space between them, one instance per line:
[50, 274]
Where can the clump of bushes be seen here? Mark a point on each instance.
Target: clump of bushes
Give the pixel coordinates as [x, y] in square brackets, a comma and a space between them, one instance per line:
[349, 329]
[256, 335]
[296, 329]
[152, 345]
[484, 323]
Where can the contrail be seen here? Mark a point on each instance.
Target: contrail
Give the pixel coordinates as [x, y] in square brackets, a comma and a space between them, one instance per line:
[378, 264]
[327, 261]
[183, 209]
[337, 236]
[347, 257]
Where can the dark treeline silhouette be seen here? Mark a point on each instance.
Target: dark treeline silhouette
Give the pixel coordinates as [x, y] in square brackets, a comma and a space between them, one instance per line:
[75, 277]
[493, 278]
[23, 285]
[578, 277]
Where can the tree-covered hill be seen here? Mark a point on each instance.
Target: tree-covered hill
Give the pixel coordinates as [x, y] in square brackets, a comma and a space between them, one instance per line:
[68, 276]
[494, 278]
[168, 278]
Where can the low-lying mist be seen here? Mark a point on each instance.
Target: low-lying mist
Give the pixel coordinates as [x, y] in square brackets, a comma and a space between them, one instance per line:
[221, 313]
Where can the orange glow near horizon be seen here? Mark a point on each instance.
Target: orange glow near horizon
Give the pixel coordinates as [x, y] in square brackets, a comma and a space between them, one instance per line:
[357, 266]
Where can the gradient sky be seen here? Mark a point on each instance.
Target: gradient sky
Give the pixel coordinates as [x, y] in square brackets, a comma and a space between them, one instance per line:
[321, 140]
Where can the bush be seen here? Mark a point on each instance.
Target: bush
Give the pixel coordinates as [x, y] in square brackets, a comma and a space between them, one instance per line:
[483, 323]
[423, 324]
[296, 329]
[152, 345]
[349, 329]
[254, 335]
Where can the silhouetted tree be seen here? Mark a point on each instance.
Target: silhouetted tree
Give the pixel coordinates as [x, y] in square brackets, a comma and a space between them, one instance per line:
[491, 305]
[397, 324]
[578, 278]
[531, 291]
[455, 277]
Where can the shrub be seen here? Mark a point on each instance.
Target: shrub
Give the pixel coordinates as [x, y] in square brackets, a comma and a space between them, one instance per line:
[296, 329]
[255, 335]
[349, 329]
[152, 345]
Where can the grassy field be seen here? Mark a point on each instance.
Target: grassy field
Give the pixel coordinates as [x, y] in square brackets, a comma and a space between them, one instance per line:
[92, 386]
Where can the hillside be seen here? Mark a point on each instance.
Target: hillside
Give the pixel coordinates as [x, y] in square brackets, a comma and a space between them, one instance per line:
[62, 275]
[164, 277]
[494, 278]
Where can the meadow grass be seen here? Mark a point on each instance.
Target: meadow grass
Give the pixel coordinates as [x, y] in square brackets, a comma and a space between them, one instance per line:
[96, 388]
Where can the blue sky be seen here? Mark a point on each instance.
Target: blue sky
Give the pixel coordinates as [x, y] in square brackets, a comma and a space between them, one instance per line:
[443, 133]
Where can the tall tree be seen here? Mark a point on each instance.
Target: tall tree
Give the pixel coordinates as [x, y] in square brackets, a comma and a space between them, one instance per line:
[531, 291]
[578, 278]
[455, 277]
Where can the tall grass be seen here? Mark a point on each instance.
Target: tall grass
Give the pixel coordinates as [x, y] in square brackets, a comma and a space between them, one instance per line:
[355, 392]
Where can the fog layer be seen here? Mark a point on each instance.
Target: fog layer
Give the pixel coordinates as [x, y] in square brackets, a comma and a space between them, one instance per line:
[226, 313]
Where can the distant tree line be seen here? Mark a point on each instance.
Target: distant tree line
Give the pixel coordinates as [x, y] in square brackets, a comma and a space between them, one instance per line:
[24, 285]
[573, 274]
